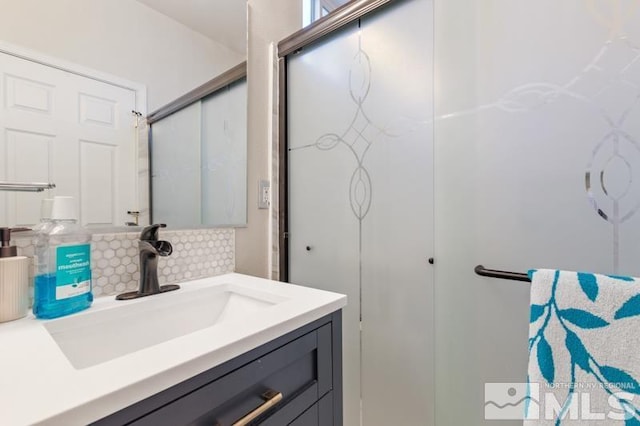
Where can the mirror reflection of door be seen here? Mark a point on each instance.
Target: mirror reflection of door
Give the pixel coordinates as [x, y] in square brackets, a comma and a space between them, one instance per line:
[71, 130]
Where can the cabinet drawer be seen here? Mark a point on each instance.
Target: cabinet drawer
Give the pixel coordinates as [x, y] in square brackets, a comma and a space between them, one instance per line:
[319, 413]
[301, 368]
[308, 418]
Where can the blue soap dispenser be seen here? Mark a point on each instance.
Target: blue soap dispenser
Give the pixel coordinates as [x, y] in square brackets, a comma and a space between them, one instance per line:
[63, 277]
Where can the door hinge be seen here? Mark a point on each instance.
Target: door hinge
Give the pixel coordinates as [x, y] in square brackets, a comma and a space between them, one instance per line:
[137, 118]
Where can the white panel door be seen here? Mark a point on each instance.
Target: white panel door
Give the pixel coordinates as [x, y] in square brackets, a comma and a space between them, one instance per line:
[29, 129]
[108, 155]
[74, 131]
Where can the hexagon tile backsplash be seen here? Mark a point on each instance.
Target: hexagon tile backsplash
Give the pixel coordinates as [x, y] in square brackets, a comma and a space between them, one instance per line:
[114, 258]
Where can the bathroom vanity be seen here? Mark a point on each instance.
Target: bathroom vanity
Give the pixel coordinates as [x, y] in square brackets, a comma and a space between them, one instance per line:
[224, 350]
[293, 380]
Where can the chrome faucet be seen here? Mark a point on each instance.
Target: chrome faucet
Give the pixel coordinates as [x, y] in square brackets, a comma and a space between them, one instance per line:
[150, 248]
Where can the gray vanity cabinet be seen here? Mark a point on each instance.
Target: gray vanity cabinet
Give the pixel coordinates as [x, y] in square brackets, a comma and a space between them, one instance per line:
[296, 377]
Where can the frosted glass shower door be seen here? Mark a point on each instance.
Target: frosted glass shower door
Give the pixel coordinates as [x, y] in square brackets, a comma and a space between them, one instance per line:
[361, 203]
[175, 160]
[199, 161]
[537, 125]
[224, 156]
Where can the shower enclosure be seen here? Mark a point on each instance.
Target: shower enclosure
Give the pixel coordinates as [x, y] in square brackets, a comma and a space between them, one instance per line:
[425, 137]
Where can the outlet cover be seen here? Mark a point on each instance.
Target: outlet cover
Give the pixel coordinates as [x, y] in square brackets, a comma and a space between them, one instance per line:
[264, 194]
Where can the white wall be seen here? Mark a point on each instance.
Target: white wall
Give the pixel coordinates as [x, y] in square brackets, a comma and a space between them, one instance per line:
[268, 21]
[120, 37]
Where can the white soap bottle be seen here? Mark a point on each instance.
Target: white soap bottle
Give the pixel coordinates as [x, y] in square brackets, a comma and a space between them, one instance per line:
[14, 280]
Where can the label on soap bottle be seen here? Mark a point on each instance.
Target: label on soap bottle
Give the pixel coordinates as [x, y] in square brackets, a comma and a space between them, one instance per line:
[73, 270]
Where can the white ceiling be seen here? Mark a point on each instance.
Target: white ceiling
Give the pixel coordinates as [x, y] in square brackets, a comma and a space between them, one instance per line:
[224, 21]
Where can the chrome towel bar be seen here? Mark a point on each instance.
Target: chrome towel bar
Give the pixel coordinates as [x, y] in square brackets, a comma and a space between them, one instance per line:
[25, 186]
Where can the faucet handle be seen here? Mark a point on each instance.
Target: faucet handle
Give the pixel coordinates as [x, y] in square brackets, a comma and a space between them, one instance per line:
[150, 233]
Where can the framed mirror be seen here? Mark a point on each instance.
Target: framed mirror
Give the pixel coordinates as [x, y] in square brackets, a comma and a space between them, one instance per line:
[78, 80]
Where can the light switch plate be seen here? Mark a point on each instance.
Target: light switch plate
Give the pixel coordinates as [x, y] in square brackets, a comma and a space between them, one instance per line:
[264, 194]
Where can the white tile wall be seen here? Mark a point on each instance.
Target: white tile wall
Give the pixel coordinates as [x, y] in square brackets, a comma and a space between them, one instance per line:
[114, 258]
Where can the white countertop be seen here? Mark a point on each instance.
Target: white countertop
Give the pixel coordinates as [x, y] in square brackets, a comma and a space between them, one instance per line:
[38, 384]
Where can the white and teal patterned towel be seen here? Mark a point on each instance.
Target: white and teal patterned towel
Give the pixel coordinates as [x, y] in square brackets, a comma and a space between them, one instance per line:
[584, 349]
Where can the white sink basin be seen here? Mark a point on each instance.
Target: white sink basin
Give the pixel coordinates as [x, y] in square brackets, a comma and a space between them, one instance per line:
[117, 353]
[94, 337]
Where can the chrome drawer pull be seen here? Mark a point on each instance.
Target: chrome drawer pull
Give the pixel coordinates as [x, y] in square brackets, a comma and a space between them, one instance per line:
[271, 398]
